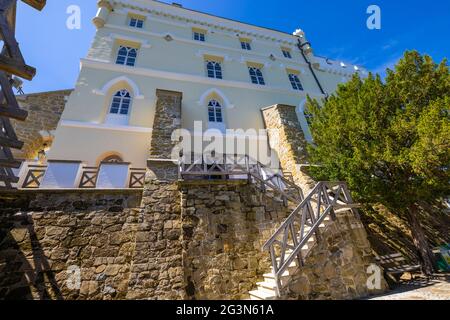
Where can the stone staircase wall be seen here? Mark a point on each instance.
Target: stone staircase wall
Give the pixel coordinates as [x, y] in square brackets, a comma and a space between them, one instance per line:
[225, 225]
[337, 266]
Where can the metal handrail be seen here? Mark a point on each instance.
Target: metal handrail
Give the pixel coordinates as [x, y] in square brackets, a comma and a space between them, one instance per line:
[318, 204]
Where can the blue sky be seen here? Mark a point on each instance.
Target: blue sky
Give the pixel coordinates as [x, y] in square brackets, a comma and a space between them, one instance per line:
[336, 29]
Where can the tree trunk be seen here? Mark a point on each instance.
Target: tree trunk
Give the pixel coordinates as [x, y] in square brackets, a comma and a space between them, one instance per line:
[420, 241]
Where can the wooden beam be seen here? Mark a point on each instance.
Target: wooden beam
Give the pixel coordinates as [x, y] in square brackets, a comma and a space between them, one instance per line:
[7, 163]
[15, 113]
[37, 4]
[17, 68]
[10, 143]
[8, 178]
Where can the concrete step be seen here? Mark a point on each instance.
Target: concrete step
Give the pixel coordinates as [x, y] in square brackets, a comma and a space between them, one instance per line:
[270, 277]
[261, 294]
[267, 285]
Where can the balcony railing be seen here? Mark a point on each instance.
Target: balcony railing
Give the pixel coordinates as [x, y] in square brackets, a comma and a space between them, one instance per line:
[76, 175]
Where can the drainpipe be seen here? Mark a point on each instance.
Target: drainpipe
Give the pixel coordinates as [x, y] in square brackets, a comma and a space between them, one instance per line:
[302, 50]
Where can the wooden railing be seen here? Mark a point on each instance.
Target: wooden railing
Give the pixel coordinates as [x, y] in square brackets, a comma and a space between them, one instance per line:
[137, 178]
[89, 178]
[287, 242]
[33, 177]
[242, 167]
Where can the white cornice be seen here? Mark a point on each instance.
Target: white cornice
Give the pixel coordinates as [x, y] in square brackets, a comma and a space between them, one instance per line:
[205, 20]
[121, 69]
[103, 126]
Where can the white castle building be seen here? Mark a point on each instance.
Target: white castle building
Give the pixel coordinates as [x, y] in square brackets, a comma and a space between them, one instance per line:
[226, 72]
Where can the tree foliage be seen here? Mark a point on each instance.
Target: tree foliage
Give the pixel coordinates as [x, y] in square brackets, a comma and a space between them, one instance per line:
[389, 140]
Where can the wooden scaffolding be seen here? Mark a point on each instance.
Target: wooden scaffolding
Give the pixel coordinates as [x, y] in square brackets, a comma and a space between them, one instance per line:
[12, 64]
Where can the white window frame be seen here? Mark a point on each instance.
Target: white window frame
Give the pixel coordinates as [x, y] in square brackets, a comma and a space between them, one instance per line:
[245, 45]
[214, 72]
[199, 36]
[287, 53]
[119, 102]
[256, 78]
[215, 111]
[138, 22]
[295, 81]
[128, 60]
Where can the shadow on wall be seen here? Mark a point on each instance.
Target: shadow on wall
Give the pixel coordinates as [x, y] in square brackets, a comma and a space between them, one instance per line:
[26, 272]
[389, 233]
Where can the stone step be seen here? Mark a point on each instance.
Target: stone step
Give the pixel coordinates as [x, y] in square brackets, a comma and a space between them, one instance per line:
[267, 285]
[262, 295]
[270, 277]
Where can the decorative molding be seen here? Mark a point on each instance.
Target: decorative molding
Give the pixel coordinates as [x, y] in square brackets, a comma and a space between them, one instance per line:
[204, 20]
[244, 60]
[202, 53]
[203, 99]
[103, 126]
[104, 90]
[192, 78]
[142, 42]
[205, 44]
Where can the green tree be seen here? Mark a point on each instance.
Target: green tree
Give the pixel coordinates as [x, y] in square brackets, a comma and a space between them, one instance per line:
[390, 140]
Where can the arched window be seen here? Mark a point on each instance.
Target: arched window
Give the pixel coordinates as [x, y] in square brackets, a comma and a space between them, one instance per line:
[127, 56]
[215, 111]
[214, 69]
[112, 159]
[121, 103]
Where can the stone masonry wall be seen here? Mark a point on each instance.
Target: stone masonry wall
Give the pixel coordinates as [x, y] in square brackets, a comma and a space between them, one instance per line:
[287, 139]
[167, 120]
[224, 229]
[43, 234]
[176, 240]
[336, 268]
[44, 112]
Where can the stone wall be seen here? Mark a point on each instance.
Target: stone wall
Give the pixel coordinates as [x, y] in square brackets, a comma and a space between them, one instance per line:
[44, 234]
[157, 269]
[44, 111]
[224, 228]
[176, 240]
[337, 266]
[287, 139]
[167, 120]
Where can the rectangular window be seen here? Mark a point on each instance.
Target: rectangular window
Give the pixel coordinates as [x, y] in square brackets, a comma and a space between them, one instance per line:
[295, 82]
[126, 56]
[245, 45]
[256, 75]
[136, 22]
[199, 36]
[214, 69]
[287, 53]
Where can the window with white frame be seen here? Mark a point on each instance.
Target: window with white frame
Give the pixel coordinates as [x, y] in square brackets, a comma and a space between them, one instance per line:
[215, 111]
[121, 102]
[287, 53]
[199, 36]
[256, 75]
[295, 81]
[245, 45]
[136, 22]
[126, 56]
[214, 69]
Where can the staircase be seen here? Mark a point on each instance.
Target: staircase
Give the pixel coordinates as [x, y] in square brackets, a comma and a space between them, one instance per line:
[291, 243]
